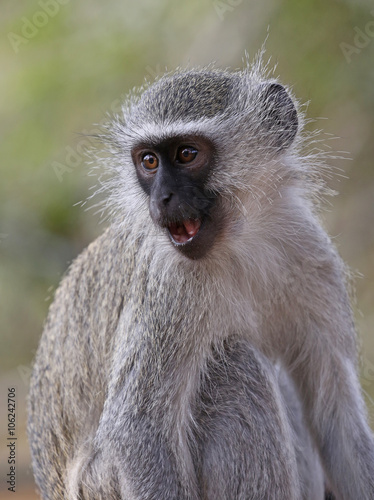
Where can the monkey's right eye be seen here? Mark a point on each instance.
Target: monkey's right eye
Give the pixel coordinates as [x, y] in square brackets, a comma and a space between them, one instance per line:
[149, 161]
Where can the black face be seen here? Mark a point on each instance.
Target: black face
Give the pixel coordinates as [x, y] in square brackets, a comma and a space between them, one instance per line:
[174, 173]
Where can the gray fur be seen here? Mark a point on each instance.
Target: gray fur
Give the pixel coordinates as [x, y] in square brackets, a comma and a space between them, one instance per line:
[157, 376]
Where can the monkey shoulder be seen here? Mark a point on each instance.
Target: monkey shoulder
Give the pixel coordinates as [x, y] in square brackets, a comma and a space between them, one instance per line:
[98, 274]
[86, 307]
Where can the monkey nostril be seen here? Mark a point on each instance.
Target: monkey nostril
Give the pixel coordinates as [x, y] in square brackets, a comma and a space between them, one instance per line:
[165, 199]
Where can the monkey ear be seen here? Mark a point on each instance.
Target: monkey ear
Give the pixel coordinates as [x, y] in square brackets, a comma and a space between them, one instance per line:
[278, 115]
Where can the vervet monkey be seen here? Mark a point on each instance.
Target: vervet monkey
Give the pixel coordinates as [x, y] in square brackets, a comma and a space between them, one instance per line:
[203, 347]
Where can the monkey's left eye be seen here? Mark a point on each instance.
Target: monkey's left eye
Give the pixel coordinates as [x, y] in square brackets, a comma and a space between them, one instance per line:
[185, 154]
[150, 161]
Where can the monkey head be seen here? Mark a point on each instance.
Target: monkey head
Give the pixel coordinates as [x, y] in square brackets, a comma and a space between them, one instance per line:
[196, 139]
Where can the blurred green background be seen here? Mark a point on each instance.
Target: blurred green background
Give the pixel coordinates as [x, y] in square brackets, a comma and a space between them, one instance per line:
[64, 64]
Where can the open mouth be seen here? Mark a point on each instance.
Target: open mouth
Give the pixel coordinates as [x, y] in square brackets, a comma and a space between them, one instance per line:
[185, 231]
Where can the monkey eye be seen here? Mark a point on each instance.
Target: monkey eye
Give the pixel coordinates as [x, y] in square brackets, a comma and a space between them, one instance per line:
[185, 154]
[149, 161]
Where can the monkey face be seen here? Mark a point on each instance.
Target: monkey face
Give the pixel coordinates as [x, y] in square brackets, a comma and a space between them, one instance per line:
[174, 175]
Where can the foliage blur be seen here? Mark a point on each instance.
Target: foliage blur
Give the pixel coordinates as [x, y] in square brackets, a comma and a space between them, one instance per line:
[64, 64]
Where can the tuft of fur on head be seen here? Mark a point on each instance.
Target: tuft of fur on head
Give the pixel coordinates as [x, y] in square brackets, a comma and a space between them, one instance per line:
[264, 173]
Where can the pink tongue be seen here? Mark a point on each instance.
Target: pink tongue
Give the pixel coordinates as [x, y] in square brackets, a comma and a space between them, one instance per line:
[181, 233]
[191, 226]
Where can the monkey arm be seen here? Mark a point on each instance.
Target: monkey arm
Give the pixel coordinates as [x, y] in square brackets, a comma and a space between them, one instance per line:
[323, 363]
[243, 426]
[335, 412]
[69, 381]
[138, 427]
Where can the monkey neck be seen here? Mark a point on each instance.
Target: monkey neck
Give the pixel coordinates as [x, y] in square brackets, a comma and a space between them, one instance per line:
[189, 306]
